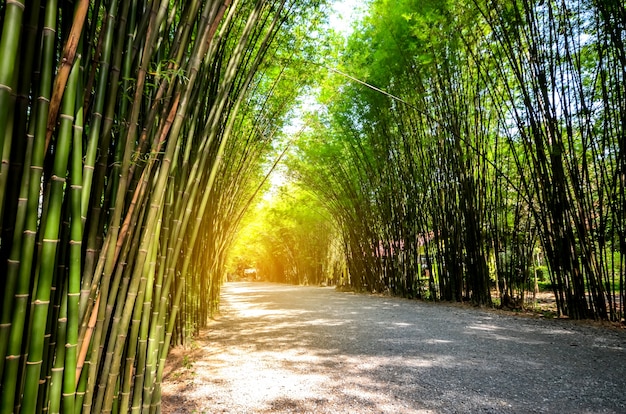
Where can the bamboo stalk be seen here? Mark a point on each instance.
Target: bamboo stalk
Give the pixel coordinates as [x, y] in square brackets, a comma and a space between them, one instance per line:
[11, 380]
[56, 381]
[50, 241]
[9, 46]
[67, 62]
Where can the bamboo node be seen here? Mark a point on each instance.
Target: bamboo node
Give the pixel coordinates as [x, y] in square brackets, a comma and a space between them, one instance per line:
[75, 242]
[57, 178]
[6, 88]
[50, 240]
[67, 117]
[16, 3]
[34, 362]
[11, 357]
[41, 302]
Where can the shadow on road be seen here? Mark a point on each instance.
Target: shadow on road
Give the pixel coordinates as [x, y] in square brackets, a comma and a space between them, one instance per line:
[282, 348]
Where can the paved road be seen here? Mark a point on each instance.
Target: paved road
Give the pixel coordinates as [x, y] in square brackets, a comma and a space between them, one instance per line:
[278, 348]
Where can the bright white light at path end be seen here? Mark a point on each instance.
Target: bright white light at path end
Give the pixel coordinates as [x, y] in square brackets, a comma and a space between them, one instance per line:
[343, 13]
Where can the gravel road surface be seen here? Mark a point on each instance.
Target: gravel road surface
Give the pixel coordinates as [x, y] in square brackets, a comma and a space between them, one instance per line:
[287, 349]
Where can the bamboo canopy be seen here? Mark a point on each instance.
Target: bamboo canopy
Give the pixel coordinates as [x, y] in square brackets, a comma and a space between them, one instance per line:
[128, 157]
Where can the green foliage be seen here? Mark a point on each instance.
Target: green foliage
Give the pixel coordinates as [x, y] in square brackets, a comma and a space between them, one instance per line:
[461, 132]
[287, 239]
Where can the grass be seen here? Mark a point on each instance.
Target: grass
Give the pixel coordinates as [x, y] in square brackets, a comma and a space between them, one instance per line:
[187, 364]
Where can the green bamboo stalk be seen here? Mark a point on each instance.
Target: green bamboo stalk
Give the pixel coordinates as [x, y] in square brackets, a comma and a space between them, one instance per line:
[115, 291]
[127, 73]
[9, 46]
[50, 240]
[96, 209]
[142, 333]
[11, 380]
[75, 265]
[109, 291]
[56, 381]
[13, 260]
[12, 207]
[102, 90]
[131, 351]
[155, 335]
[57, 292]
[132, 296]
[5, 153]
[8, 280]
[156, 17]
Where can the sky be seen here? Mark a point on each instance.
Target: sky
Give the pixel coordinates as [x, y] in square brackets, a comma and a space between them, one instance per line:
[343, 12]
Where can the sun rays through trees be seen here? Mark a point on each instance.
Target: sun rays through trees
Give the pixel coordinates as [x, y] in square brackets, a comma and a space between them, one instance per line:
[467, 150]
[133, 137]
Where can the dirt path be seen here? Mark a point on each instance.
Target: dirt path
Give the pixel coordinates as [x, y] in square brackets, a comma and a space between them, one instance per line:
[287, 349]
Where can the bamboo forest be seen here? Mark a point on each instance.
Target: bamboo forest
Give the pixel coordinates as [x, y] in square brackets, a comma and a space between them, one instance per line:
[448, 151]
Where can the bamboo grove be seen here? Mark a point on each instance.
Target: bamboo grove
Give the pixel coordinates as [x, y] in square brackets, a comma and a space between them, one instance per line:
[287, 238]
[133, 138]
[475, 146]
